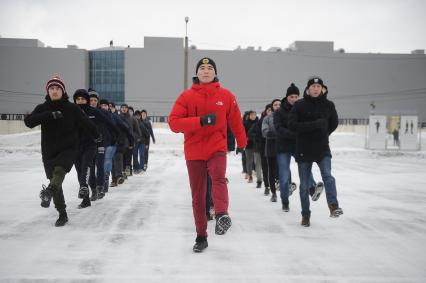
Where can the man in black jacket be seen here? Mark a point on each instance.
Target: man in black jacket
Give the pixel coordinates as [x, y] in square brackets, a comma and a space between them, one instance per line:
[286, 148]
[60, 123]
[314, 118]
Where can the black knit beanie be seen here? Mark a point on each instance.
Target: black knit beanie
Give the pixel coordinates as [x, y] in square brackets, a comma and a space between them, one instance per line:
[81, 93]
[103, 101]
[314, 80]
[206, 60]
[292, 89]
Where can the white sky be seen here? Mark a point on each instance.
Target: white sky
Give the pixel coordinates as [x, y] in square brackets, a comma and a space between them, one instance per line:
[356, 25]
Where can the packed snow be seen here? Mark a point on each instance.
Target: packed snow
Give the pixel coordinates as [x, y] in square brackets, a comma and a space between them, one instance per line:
[143, 230]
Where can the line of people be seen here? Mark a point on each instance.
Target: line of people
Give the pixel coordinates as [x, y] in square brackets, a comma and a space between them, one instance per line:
[298, 128]
[90, 135]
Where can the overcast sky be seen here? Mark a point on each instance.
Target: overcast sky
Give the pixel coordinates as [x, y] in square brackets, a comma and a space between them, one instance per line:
[356, 25]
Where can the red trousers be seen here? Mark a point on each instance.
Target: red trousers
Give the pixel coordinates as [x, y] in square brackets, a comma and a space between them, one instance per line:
[197, 171]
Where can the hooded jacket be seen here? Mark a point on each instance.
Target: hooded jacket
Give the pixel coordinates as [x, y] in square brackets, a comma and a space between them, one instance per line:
[313, 119]
[201, 142]
[60, 137]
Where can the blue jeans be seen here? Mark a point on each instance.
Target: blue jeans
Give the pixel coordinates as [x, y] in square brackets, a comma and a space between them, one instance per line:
[284, 172]
[305, 170]
[109, 154]
[138, 153]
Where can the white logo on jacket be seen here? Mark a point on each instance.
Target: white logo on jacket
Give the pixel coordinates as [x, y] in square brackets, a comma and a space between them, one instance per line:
[219, 103]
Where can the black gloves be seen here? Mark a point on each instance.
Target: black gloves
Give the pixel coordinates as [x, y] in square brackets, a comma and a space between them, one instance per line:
[239, 150]
[208, 120]
[57, 115]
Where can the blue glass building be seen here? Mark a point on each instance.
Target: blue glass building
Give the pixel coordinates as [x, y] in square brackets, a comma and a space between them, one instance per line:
[106, 72]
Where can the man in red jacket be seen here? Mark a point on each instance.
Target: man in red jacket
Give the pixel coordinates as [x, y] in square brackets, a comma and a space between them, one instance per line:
[202, 114]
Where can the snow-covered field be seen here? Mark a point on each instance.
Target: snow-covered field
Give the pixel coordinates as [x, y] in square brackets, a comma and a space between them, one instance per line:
[143, 231]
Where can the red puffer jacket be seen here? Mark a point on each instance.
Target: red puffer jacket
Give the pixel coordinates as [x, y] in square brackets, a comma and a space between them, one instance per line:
[202, 99]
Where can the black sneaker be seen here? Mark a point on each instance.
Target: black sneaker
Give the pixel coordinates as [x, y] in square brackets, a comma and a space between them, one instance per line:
[83, 192]
[85, 203]
[259, 184]
[62, 220]
[335, 210]
[266, 193]
[306, 221]
[200, 244]
[274, 197]
[95, 194]
[223, 223]
[101, 192]
[318, 190]
[286, 207]
[46, 196]
[120, 180]
[291, 188]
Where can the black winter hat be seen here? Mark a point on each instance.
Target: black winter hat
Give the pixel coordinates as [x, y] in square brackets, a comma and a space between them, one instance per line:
[314, 80]
[292, 89]
[81, 93]
[103, 101]
[206, 60]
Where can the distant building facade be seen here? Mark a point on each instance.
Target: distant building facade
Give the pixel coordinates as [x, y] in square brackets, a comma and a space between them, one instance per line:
[152, 77]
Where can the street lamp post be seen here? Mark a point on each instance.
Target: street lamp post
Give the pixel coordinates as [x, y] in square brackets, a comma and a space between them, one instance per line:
[185, 82]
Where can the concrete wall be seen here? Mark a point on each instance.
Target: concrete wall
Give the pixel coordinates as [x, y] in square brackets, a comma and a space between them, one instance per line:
[24, 72]
[154, 76]
[394, 82]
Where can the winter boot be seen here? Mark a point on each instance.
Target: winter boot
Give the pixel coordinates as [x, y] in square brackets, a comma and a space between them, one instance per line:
[259, 184]
[223, 223]
[246, 176]
[266, 193]
[63, 218]
[46, 196]
[250, 179]
[83, 192]
[306, 221]
[200, 244]
[274, 197]
[318, 190]
[113, 183]
[106, 184]
[101, 193]
[85, 203]
[286, 207]
[95, 194]
[335, 210]
[291, 188]
[120, 180]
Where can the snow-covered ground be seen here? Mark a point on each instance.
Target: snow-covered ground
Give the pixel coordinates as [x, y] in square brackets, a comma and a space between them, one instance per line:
[143, 231]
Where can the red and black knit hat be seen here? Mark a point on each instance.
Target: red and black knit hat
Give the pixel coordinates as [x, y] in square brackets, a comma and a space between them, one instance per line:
[56, 80]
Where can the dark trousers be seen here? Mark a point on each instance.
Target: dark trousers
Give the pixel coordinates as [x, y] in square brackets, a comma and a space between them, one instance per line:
[265, 171]
[127, 158]
[85, 158]
[243, 159]
[215, 167]
[117, 166]
[146, 153]
[56, 181]
[97, 172]
[272, 173]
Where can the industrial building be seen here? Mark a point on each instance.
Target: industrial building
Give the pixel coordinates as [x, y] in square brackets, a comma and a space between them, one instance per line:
[153, 76]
